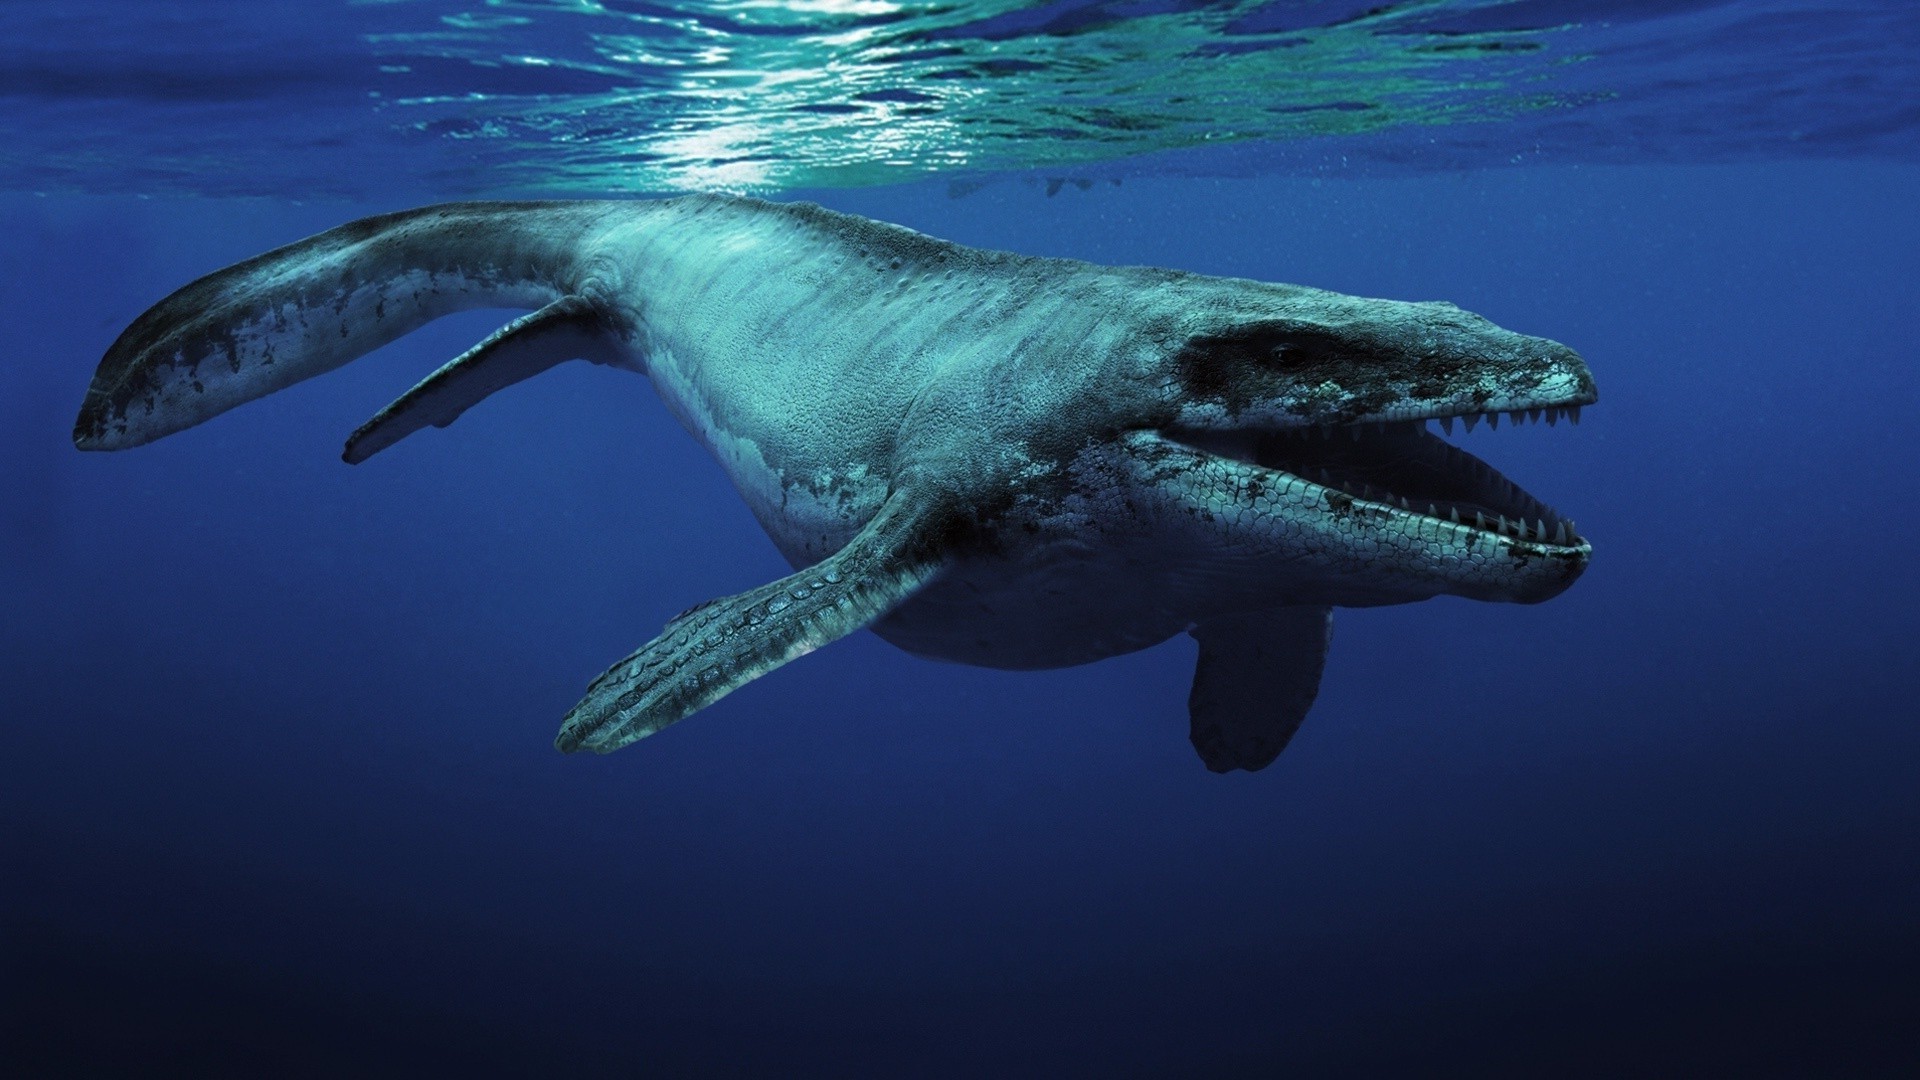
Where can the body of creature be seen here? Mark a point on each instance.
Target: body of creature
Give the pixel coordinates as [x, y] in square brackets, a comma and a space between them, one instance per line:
[989, 458]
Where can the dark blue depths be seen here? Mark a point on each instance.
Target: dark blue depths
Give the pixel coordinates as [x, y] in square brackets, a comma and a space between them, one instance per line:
[278, 796]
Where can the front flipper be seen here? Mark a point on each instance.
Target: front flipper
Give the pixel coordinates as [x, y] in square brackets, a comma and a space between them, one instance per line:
[570, 328]
[1258, 674]
[708, 651]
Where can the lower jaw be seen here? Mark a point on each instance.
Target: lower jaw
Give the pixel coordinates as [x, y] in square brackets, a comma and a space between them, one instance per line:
[1321, 544]
[1377, 555]
[1407, 475]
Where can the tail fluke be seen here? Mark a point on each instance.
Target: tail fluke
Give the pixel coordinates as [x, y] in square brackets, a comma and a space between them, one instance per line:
[307, 308]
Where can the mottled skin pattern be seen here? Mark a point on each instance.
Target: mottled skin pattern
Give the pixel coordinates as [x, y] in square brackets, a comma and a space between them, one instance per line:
[989, 458]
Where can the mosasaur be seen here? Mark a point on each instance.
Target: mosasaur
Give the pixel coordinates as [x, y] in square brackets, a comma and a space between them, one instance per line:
[985, 457]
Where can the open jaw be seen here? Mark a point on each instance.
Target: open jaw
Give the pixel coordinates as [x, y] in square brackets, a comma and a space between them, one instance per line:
[1401, 467]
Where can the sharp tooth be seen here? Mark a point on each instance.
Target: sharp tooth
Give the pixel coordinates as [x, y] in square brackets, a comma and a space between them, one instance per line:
[1432, 510]
[1534, 415]
[1560, 533]
[1479, 520]
[1446, 424]
[1542, 527]
[1518, 416]
[1472, 420]
[1553, 417]
[1453, 514]
[1503, 523]
[1493, 421]
[1573, 413]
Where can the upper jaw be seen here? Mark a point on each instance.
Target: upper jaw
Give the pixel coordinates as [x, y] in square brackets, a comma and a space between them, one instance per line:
[1553, 384]
[1560, 385]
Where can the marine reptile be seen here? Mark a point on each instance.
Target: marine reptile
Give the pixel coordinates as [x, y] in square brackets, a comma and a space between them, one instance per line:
[985, 457]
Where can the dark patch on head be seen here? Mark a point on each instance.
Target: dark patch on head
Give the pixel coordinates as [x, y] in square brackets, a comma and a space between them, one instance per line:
[1238, 367]
[1334, 375]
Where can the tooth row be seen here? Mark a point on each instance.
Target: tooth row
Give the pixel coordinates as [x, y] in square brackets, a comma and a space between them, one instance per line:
[1515, 416]
[1510, 492]
[1563, 530]
[1561, 533]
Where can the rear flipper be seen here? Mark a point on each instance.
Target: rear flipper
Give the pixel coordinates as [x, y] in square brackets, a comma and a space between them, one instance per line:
[307, 308]
[708, 651]
[1257, 676]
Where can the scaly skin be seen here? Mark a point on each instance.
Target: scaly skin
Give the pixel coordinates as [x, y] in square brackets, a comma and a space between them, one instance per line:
[1082, 460]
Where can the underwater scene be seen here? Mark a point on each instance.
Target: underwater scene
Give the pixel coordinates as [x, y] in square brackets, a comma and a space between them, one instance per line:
[1151, 538]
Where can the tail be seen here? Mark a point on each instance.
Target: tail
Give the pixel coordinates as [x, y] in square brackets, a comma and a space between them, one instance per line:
[307, 308]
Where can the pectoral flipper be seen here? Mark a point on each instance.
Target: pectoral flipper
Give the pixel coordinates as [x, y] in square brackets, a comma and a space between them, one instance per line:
[570, 328]
[710, 650]
[1257, 676]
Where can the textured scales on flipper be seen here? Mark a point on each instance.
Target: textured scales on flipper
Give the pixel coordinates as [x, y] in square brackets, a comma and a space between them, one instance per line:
[711, 649]
[1257, 676]
[570, 328]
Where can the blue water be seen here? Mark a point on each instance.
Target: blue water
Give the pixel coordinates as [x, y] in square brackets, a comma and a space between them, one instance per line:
[276, 790]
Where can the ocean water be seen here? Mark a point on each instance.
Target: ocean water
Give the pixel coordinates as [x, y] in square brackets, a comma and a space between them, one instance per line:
[277, 795]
